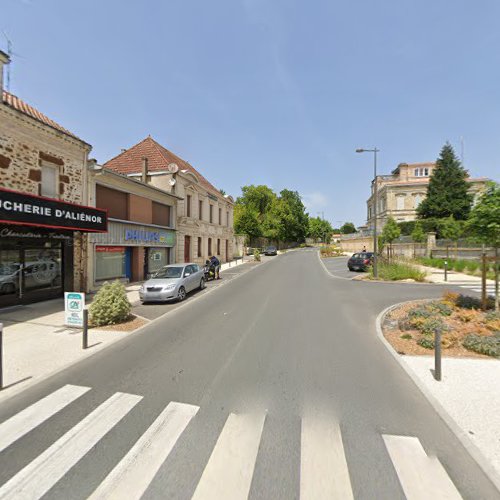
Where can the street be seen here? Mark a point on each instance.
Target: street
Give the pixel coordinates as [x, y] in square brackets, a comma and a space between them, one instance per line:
[278, 389]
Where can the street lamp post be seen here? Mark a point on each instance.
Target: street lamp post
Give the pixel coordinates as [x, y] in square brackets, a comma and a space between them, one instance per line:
[374, 151]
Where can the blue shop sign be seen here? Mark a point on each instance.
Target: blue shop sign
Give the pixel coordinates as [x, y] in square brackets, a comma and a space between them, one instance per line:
[145, 236]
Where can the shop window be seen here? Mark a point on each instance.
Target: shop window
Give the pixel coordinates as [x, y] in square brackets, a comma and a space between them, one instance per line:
[188, 205]
[211, 214]
[199, 247]
[161, 214]
[200, 209]
[115, 202]
[110, 262]
[209, 247]
[218, 246]
[50, 180]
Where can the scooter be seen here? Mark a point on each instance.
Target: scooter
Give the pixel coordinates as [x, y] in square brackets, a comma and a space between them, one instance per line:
[209, 272]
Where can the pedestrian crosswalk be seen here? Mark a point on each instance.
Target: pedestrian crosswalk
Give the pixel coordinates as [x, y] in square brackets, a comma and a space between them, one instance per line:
[490, 289]
[474, 287]
[229, 470]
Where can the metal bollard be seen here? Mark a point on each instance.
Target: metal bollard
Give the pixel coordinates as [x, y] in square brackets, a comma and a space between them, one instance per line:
[446, 270]
[85, 332]
[437, 355]
[1, 356]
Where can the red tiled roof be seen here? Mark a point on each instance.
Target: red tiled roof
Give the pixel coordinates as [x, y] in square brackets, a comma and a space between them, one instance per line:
[130, 161]
[19, 105]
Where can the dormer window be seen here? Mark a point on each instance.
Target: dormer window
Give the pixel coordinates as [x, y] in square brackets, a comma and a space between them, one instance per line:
[421, 172]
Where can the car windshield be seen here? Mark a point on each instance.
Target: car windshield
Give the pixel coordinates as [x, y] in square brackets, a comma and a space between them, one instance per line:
[168, 272]
[361, 256]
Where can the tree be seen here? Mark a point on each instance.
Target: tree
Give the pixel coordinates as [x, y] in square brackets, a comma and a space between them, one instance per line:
[484, 224]
[348, 228]
[222, 192]
[292, 216]
[246, 221]
[320, 229]
[447, 193]
[418, 235]
[390, 232]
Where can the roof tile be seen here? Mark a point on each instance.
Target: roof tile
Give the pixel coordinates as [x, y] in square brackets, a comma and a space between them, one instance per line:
[159, 157]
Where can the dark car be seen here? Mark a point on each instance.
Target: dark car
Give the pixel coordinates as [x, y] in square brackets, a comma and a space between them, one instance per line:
[271, 251]
[360, 261]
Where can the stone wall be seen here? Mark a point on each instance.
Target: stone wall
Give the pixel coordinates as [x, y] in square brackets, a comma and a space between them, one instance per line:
[24, 144]
[352, 245]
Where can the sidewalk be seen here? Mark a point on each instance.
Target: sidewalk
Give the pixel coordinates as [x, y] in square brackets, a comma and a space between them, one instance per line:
[435, 275]
[36, 342]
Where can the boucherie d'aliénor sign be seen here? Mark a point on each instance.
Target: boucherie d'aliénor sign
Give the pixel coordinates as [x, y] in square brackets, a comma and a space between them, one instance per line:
[29, 210]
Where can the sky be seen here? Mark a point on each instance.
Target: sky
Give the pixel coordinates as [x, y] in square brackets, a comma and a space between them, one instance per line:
[275, 92]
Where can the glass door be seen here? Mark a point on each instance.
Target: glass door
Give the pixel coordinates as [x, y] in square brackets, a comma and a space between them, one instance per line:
[10, 277]
[42, 273]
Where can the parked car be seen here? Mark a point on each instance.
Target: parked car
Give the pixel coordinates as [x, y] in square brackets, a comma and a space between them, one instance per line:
[360, 261]
[172, 282]
[271, 251]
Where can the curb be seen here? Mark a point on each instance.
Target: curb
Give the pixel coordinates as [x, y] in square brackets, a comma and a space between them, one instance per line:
[33, 382]
[464, 439]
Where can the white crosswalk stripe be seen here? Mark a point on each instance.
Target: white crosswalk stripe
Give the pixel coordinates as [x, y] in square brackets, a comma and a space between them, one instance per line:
[421, 477]
[490, 289]
[323, 466]
[228, 474]
[41, 474]
[25, 421]
[131, 477]
[229, 470]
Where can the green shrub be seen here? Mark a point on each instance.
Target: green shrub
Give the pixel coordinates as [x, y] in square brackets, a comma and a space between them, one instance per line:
[110, 305]
[483, 345]
[395, 271]
[468, 302]
[256, 255]
[433, 325]
[459, 265]
[330, 251]
[471, 266]
[442, 308]
[426, 342]
[423, 311]
[406, 336]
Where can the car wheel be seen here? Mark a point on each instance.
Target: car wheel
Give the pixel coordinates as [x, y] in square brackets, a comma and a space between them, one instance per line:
[202, 284]
[181, 294]
[350, 269]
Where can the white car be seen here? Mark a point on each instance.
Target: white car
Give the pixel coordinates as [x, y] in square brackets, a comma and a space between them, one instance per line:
[172, 282]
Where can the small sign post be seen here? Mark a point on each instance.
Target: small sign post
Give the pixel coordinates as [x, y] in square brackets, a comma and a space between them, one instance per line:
[74, 303]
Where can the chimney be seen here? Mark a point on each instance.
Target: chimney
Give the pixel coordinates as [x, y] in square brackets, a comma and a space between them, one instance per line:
[4, 59]
[144, 177]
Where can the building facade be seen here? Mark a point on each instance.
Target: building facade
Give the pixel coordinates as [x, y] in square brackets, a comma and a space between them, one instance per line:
[204, 214]
[44, 217]
[141, 235]
[400, 193]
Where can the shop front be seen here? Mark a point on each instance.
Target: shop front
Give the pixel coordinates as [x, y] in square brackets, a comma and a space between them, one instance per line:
[131, 251]
[37, 245]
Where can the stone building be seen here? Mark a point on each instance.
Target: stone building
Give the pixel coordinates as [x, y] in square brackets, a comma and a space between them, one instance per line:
[204, 214]
[400, 193]
[141, 233]
[43, 217]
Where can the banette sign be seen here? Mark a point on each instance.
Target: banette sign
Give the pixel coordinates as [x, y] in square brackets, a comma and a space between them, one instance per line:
[30, 210]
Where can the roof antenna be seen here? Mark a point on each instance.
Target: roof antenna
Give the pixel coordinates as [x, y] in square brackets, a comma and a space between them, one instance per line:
[10, 53]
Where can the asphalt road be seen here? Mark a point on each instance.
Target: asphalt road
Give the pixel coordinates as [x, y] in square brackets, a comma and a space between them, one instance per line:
[284, 391]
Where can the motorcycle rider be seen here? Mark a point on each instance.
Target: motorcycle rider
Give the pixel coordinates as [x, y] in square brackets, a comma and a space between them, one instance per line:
[215, 263]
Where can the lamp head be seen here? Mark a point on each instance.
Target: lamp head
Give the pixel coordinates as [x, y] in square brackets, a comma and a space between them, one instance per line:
[360, 150]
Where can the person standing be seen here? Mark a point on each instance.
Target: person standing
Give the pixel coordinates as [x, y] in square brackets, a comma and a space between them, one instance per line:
[214, 261]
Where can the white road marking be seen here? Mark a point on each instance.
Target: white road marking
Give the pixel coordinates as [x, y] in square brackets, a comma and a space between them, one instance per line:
[41, 474]
[323, 466]
[421, 477]
[228, 473]
[32, 416]
[133, 474]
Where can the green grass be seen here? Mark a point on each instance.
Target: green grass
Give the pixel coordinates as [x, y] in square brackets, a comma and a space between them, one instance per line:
[471, 267]
[396, 271]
